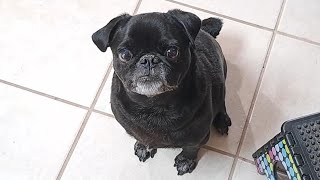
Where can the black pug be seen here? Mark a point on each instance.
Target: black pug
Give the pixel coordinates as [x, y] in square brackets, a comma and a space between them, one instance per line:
[169, 82]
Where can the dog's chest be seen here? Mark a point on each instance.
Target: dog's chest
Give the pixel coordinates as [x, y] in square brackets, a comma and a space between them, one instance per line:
[156, 128]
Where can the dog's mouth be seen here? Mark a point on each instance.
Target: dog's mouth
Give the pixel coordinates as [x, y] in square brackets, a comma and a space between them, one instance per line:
[150, 86]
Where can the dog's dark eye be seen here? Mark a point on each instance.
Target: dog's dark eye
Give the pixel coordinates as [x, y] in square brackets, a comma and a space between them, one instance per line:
[172, 52]
[125, 54]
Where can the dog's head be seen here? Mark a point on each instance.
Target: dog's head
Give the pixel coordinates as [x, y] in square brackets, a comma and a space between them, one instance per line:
[151, 52]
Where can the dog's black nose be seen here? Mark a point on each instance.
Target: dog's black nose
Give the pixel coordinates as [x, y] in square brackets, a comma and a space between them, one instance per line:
[149, 60]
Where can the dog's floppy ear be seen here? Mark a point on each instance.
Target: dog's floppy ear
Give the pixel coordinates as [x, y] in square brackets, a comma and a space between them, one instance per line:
[191, 23]
[103, 36]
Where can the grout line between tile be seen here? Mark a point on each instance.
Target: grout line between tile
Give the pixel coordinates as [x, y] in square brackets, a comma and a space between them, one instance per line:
[247, 23]
[137, 7]
[298, 38]
[43, 94]
[103, 113]
[84, 123]
[256, 92]
[246, 160]
[218, 151]
[221, 15]
[91, 109]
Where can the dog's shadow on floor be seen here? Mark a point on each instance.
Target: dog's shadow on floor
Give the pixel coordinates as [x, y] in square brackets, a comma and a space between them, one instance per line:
[232, 48]
[235, 99]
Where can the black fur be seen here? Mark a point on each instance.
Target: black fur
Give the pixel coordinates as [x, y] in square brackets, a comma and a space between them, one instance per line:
[212, 26]
[189, 93]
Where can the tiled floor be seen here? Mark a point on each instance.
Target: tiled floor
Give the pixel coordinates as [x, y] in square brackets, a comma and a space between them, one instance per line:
[55, 116]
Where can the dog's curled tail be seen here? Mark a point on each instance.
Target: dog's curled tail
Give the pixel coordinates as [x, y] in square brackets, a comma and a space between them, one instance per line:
[212, 26]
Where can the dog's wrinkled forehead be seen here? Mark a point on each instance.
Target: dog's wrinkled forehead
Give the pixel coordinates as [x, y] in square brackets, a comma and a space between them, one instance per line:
[149, 29]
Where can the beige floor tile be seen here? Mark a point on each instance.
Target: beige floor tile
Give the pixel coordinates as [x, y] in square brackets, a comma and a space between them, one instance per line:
[245, 48]
[247, 171]
[290, 89]
[301, 18]
[35, 134]
[103, 103]
[263, 12]
[105, 151]
[47, 46]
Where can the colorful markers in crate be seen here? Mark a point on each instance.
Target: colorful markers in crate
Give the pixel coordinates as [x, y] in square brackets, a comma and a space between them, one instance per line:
[297, 148]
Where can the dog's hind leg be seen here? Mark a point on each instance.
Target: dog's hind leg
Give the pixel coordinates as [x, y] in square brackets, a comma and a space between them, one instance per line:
[222, 121]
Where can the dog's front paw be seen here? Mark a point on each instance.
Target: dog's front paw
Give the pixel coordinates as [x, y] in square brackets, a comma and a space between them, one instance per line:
[184, 165]
[222, 122]
[143, 152]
